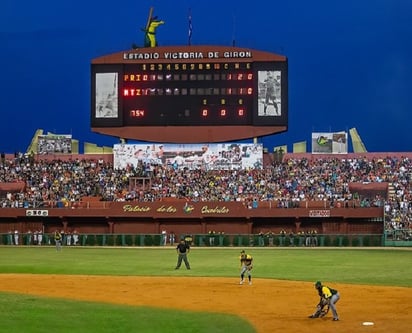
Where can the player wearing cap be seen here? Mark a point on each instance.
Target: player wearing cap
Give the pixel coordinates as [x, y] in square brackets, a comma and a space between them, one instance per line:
[246, 266]
[331, 295]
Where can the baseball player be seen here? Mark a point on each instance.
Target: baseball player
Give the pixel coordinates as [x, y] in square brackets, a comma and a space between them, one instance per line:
[331, 295]
[270, 93]
[58, 240]
[246, 266]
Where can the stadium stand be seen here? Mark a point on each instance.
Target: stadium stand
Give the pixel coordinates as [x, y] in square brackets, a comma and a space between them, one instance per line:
[295, 181]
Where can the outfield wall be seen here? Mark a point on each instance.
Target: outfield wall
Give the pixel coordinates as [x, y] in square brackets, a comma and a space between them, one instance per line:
[202, 240]
[183, 217]
[219, 239]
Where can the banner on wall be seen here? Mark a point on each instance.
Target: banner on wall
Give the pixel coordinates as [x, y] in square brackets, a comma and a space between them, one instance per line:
[54, 144]
[330, 143]
[223, 156]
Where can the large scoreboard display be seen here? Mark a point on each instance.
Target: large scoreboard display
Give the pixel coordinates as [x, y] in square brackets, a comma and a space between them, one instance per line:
[189, 94]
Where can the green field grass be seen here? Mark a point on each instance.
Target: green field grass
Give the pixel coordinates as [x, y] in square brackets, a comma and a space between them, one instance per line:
[390, 267]
[29, 314]
[358, 266]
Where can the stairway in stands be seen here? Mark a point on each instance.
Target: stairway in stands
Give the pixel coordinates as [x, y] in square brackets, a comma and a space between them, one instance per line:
[391, 191]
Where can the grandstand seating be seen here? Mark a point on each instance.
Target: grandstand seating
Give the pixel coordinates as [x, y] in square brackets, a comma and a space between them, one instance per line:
[297, 181]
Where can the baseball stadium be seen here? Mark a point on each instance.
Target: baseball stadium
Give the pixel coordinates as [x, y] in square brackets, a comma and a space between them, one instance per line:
[190, 224]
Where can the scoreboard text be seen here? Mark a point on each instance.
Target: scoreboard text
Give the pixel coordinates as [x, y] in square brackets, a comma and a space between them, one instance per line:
[147, 89]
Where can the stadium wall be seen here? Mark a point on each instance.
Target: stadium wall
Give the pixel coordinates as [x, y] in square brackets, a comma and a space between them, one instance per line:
[195, 218]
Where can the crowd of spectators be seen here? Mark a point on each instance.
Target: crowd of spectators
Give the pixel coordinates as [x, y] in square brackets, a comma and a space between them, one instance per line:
[285, 182]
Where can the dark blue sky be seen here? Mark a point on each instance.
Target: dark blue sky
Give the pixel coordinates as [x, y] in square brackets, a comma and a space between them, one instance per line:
[350, 62]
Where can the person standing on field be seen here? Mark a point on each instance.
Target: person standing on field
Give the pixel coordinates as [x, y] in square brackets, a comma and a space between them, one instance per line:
[58, 240]
[245, 266]
[182, 249]
[16, 237]
[172, 238]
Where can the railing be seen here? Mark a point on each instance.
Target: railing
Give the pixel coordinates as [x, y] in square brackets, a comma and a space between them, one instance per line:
[398, 237]
[96, 203]
[201, 240]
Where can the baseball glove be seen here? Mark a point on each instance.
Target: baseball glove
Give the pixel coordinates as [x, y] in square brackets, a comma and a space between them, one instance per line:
[321, 309]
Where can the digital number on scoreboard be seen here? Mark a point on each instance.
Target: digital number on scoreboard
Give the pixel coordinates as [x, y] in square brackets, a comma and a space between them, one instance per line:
[178, 93]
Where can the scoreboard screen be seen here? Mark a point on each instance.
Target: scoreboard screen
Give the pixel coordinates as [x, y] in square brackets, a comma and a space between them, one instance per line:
[189, 86]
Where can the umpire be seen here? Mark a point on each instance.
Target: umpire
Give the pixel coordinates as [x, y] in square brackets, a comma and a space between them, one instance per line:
[182, 249]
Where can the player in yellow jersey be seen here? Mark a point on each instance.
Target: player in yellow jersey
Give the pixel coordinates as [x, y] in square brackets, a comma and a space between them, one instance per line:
[246, 265]
[58, 240]
[331, 296]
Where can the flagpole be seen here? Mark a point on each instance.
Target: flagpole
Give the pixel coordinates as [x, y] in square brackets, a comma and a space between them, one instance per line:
[189, 41]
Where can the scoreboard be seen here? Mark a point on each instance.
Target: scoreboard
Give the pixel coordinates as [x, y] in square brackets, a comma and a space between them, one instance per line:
[189, 94]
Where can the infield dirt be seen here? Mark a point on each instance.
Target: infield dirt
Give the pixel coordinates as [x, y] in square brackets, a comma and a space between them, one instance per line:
[269, 305]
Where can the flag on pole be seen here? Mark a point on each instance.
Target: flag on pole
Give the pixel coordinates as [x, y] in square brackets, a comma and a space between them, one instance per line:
[190, 28]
